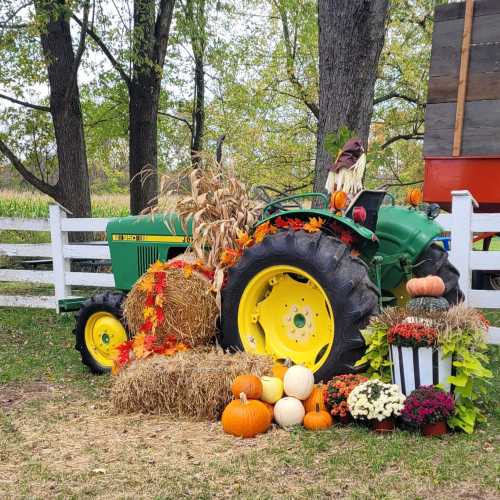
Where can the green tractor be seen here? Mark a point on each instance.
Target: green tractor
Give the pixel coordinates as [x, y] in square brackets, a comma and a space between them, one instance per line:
[299, 296]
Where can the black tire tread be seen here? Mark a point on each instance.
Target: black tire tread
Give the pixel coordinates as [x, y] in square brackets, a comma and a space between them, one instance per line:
[344, 278]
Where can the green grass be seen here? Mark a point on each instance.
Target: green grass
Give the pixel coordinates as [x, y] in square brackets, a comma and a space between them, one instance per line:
[60, 438]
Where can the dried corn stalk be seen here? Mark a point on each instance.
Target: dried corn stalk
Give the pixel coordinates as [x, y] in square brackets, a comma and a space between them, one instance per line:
[220, 208]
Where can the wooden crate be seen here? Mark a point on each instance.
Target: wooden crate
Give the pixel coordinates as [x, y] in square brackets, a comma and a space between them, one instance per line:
[481, 120]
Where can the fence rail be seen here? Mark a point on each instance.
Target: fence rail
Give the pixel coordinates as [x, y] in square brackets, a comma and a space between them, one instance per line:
[461, 223]
[60, 251]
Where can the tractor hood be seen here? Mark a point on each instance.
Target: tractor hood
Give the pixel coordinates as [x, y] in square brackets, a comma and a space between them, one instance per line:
[403, 233]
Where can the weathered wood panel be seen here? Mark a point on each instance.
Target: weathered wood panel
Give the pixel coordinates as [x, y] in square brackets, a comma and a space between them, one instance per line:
[476, 141]
[457, 10]
[484, 30]
[480, 87]
[445, 61]
[438, 142]
[477, 114]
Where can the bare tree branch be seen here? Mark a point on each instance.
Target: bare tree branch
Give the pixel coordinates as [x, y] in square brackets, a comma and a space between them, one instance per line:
[398, 184]
[24, 103]
[175, 117]
[396, 95]
[26, 174]
[97, 39]
[290, 63]
[4, 23]
[403, 137]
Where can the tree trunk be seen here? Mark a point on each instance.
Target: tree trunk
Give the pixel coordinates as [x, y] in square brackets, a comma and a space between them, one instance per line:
[72, 189]
[143, 149]
[199, 107]
[351, 37]
[150, 40]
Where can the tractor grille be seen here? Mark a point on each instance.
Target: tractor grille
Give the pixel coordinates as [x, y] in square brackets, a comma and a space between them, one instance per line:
[146, 255]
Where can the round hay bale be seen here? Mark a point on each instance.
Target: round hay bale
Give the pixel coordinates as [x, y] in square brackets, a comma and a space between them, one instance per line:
[194, 384]
[189, 306]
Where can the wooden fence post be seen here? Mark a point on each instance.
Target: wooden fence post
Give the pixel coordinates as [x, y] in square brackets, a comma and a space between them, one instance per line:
[60, 265]
[461, 236]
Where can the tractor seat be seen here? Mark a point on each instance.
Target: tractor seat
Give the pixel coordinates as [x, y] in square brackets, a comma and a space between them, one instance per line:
[371, 201]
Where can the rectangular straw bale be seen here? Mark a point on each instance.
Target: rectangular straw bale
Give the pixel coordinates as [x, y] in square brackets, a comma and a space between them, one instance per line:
[194, 384]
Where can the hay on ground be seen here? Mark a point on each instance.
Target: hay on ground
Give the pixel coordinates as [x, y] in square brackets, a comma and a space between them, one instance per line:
[189, 306]
[194, 384]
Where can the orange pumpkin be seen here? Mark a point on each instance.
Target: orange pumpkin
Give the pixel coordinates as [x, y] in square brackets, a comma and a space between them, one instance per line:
[279, 370]
[317, 397]
[338, 200]
[270, 409]
[414, 197]
[249, 384]
[430, 286]
[317, 420]
[245, 417]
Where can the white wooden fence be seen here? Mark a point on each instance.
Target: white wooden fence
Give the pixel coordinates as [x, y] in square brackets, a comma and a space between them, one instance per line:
[60, 251]
[462, 224]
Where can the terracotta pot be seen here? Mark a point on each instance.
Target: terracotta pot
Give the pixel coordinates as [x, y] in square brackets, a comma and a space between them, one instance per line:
[386, 425]
[435, 429]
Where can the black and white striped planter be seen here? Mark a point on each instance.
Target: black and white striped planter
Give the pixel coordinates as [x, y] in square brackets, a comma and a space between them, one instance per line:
[416, 366]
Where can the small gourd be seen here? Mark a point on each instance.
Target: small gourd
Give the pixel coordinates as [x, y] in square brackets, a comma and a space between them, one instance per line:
[317, 397]
[317, 420]
[298, 382]
[430, 286]
[414, 197]
[249, 384]
[272, 389]
[289, 411]
[245, 417]
[428, 304]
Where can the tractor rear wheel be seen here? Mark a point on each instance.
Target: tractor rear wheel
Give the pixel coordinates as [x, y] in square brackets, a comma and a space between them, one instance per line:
[434, 260]
[100, 328]
[300, 297]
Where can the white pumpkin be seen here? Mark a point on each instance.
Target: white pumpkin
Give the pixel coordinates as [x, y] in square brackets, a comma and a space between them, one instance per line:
[289, 411]
[298, 382]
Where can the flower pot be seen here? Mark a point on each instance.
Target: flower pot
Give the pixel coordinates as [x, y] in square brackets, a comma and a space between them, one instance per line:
[435, 429]
[386, 425]
[416, 366]
[343, 419]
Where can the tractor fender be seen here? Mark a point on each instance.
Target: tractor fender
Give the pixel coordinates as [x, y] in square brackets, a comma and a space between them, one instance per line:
[367, 240]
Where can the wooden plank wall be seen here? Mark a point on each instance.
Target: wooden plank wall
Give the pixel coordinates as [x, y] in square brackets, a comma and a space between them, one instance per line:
[481, 132]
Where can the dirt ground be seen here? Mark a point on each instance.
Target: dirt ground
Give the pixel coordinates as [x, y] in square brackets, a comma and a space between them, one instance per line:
[56, 442]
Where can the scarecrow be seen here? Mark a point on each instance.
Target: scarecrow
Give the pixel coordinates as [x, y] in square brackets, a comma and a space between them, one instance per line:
[346, 174]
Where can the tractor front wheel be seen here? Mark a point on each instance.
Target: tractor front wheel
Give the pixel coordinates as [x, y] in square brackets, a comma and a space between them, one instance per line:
[300, 297]
[434, 260]
[100, 328]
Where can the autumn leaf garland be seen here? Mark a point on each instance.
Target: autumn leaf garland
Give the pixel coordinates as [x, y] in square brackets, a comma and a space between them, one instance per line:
[229, 256]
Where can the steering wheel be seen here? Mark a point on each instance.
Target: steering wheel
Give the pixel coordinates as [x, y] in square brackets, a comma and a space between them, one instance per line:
[267, 194]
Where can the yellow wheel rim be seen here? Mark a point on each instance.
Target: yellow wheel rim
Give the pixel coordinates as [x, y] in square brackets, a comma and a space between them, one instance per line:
[103, 333]
[285, 313]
